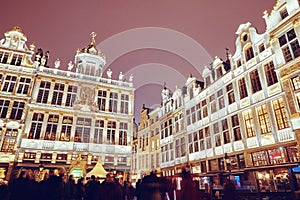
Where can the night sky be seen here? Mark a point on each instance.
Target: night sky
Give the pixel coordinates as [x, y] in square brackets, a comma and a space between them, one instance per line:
[158, 41]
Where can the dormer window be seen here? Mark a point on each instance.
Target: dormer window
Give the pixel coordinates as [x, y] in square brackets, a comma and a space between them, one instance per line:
[261, 48]
[238, 63]
[289, 45]
[249, 53]
[207, 81]
[219, 72]
[284, 14]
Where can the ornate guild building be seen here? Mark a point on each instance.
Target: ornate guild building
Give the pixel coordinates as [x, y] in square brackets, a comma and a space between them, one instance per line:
[57, 118]
[243, 120]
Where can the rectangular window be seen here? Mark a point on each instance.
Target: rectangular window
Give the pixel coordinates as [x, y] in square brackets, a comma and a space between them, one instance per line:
[101, 100]
[261, 48]
[236, 127]
[71, 95]
[51, 127]
[243, 88]
[217, 134]
[190, 143]
[66, 128]
[16, 59]
[193, 114]
[255, 81]
[43, 92]
[23, 85]
[230, 93]
[9, 83]
[296, 85]
[196, 142]
[249, 123]
[249, 53]
[198, 110]
[270, 73]
[99, 129]
[208, 138]
[225, 131]
[289, 45]
[123, 129]
[263, 117]
[204, 108]
[238, 63]
[17, 110]
[9, 140]
[83, 129]
[36, 126]
[4, 105]
[280, 114]
[113, 102]
[284, 14]
[188, 117]
[4, 57]
[58, 94]
[259, 158]
[219, 72]
[221, 101]
[111, 132]
[124, 103]
[213, 107]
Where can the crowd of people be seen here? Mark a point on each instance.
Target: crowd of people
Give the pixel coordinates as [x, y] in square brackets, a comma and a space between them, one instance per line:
[59, 187]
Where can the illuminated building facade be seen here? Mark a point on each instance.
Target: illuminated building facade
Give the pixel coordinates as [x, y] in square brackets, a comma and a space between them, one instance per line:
[62, 118]
[243, 120]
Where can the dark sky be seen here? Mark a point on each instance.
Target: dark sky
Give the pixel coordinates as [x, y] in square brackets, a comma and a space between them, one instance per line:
[157, 41]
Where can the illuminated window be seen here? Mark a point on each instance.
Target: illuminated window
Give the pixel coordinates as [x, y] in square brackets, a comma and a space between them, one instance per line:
[249, 124]
[23, 85]
[71, 95]
[36, 126]
[124, 103]
[249, 53]
[4, 105]
[263, 117]
[66, 128]
[123, 129]
[113, 102]
[289, 45]
[293, 154]
[259, 158]
[255, 81]
[9, 140]
[243, 88]
[280, 114]
[270, 73]
[83, 129]
[51, 127]
[17, 110]
[9, 83]
[58, 94]
[43, 92]
[111, 132]
[277, 156]
[29, 156]
[101, 99]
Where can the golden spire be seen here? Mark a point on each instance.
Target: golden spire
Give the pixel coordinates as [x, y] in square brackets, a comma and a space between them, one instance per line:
[93, 35]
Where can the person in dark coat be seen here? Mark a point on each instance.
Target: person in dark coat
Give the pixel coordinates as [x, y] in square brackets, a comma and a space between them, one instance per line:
[55, 187]
[151, 188]
[110, 189]
[188, 188]
[92, 189]
[3, 190]
[80, 190]
[229, 190]
[18, 188]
